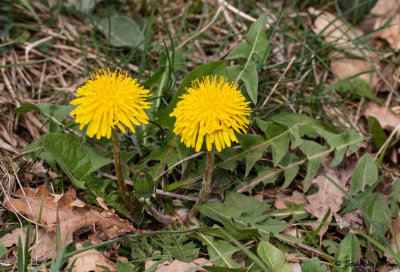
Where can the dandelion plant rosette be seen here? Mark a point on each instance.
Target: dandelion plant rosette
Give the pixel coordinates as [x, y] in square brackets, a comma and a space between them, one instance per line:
[110, 100]
[212, 110]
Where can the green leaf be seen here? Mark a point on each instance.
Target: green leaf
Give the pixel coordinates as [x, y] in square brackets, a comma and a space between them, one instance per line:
[313, 265]
[74, 157]
[220, 251]
[353, 140]
[26, 108]
[250, 80]
[348, 206]
[379, 136]
[55, 113]
[226, 154]
[365, 174]
[241, 209]
[298, 125]
[242, 50]
[212, 68]
[346, 253]
[178, 248]
[3, 250]
[247, 141]
[257, 35]
[273, 257]
[238, 233]
[292, 168]
[395, 191]
[335, 141]
[315, 153]
[331, 246]
[257, 41]
[253, 206]
[272, 225]
[122, 32]
[377, 209]
[233, 71]
[125, 267]
[359, 88]
[21, 256]
[281, 145]
[158, 83]
[266, 174]
[257, 45]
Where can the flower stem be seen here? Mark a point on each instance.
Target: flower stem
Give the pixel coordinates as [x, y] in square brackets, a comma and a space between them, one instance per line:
[117, 162]
[206, 185]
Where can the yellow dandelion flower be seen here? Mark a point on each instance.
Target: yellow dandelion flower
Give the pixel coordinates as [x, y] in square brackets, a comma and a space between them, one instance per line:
[211, 109]
[108, 100]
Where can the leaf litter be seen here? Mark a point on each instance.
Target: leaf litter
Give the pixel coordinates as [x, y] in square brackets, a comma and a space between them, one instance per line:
[178, 266]
[338, 33]
[328, 197]
[387, 119]
[90, 260]
[71, 213]
[43, 248]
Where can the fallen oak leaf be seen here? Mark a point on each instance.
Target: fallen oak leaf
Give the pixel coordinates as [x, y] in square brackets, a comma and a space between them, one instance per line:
[334, 30]
[73, 213]
[90, 260]
[178, 266]
[387, 119]
[337, 32]
[327, 197]
[390, 33]
[345, 67]
[42, 250]
[396, 230]
[388, 22]
[384, 7]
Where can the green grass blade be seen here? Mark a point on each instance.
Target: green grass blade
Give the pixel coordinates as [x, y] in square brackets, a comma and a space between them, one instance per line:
[20, 257]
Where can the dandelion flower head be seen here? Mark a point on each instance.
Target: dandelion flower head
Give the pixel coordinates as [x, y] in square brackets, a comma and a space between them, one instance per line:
[211, 109]
[110, 100]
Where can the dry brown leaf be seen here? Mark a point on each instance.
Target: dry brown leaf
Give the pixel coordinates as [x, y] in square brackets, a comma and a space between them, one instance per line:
[328, 196]
[337, 32]
[345, 67]
[390, 33]
[396, 229]
[387, 119]
[73, 213]
[385, 7]
[91, 260]
[333, 29]
[353, 219]
[293, 232]
[178, 266]
[388, 10]
[43, 248]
